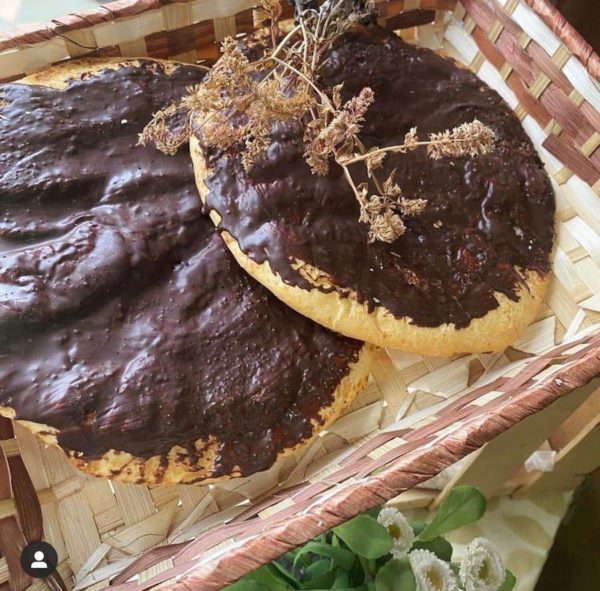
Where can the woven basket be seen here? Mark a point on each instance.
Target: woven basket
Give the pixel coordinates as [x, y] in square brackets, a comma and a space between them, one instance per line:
[417, 415]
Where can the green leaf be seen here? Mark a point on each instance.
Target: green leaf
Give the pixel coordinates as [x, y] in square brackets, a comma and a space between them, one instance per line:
[418, 526]
[365, 537]
[396, 575]
[280, 573]
[342, 581]
[357, 572]
[247, 585]
[340, 556]
[464, 504]
[260, 580]
[374, 512]
[316, 569]
[509, 582]
[441, 547]
[322, 581]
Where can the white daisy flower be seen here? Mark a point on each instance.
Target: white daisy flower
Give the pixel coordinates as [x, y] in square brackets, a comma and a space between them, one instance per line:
[400, 530]
[482, 568]
[431, 573]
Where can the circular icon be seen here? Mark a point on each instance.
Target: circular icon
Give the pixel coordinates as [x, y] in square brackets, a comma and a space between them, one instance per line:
[39, 559]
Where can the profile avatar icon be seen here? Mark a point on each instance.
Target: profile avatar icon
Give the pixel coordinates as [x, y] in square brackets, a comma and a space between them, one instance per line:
[39, 560]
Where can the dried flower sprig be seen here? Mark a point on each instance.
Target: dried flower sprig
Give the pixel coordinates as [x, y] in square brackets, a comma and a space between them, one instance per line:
[231, 89]
[239, 101]
[470, 139]
[168, 138]
[270, 11]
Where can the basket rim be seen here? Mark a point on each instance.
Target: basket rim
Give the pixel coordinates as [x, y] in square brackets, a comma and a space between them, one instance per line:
[38, 33]
[405, 472]
[113, 10]
[565, 31]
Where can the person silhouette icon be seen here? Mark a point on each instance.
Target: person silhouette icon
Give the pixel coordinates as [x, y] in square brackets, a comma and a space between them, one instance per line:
[39, 560]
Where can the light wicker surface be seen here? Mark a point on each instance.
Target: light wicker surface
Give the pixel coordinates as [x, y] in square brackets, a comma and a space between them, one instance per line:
[417, 415]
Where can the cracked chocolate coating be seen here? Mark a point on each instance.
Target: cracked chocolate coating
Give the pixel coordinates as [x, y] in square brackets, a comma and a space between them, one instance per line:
[124, 320]
[488, 219]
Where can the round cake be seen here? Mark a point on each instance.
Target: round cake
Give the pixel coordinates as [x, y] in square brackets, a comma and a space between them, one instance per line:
[470, 270]
[129, 336]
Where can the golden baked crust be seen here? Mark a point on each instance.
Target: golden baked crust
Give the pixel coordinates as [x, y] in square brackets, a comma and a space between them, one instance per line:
[176, 467]
[343, 313]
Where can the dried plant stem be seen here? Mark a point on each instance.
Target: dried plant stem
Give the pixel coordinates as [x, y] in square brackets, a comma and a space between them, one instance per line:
[359, 197]
[306, 79]
[363, 151]
[401, 148]
[282, 44]
[457, 141]
[289, 91]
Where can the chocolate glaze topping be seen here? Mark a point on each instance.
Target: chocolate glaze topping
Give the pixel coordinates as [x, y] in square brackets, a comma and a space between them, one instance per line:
[124, 320]
[484, 217]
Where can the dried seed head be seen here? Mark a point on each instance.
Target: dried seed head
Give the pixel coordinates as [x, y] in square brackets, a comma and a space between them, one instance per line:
[374, 161]
[390, 187]
[270, 10]
[168, 130]
[336, 95]
[202, 98]
[335, 134]
[412, 207]
[410, 139]
[386, 227]
[469, 139]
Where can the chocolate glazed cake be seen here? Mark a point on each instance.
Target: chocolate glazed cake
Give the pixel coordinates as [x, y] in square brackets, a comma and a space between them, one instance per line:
[470, 271]
[129, 336]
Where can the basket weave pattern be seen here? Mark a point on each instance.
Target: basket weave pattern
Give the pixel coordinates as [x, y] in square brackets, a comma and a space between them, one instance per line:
[417, 415]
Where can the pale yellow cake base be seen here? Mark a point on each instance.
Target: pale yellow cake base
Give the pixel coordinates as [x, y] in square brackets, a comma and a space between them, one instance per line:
[176, 467]
[339, 309]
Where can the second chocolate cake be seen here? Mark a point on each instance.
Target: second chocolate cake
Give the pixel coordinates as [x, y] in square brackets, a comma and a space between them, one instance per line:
[468, 273]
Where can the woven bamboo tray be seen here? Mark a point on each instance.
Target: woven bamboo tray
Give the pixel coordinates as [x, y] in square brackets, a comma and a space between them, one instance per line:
[418, 415]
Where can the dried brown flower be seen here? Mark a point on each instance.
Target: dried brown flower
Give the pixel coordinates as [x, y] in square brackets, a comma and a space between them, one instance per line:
[337, 131]
[317, 160]
[202, 98]
[269, 10]
[410, 140]
[386, 227]
[382, 212]
[239, 101]
[467, 139]
[164, 133]
[374, 160]
[378, 210]
[390, 187]
[412, 207]
[336, 95]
